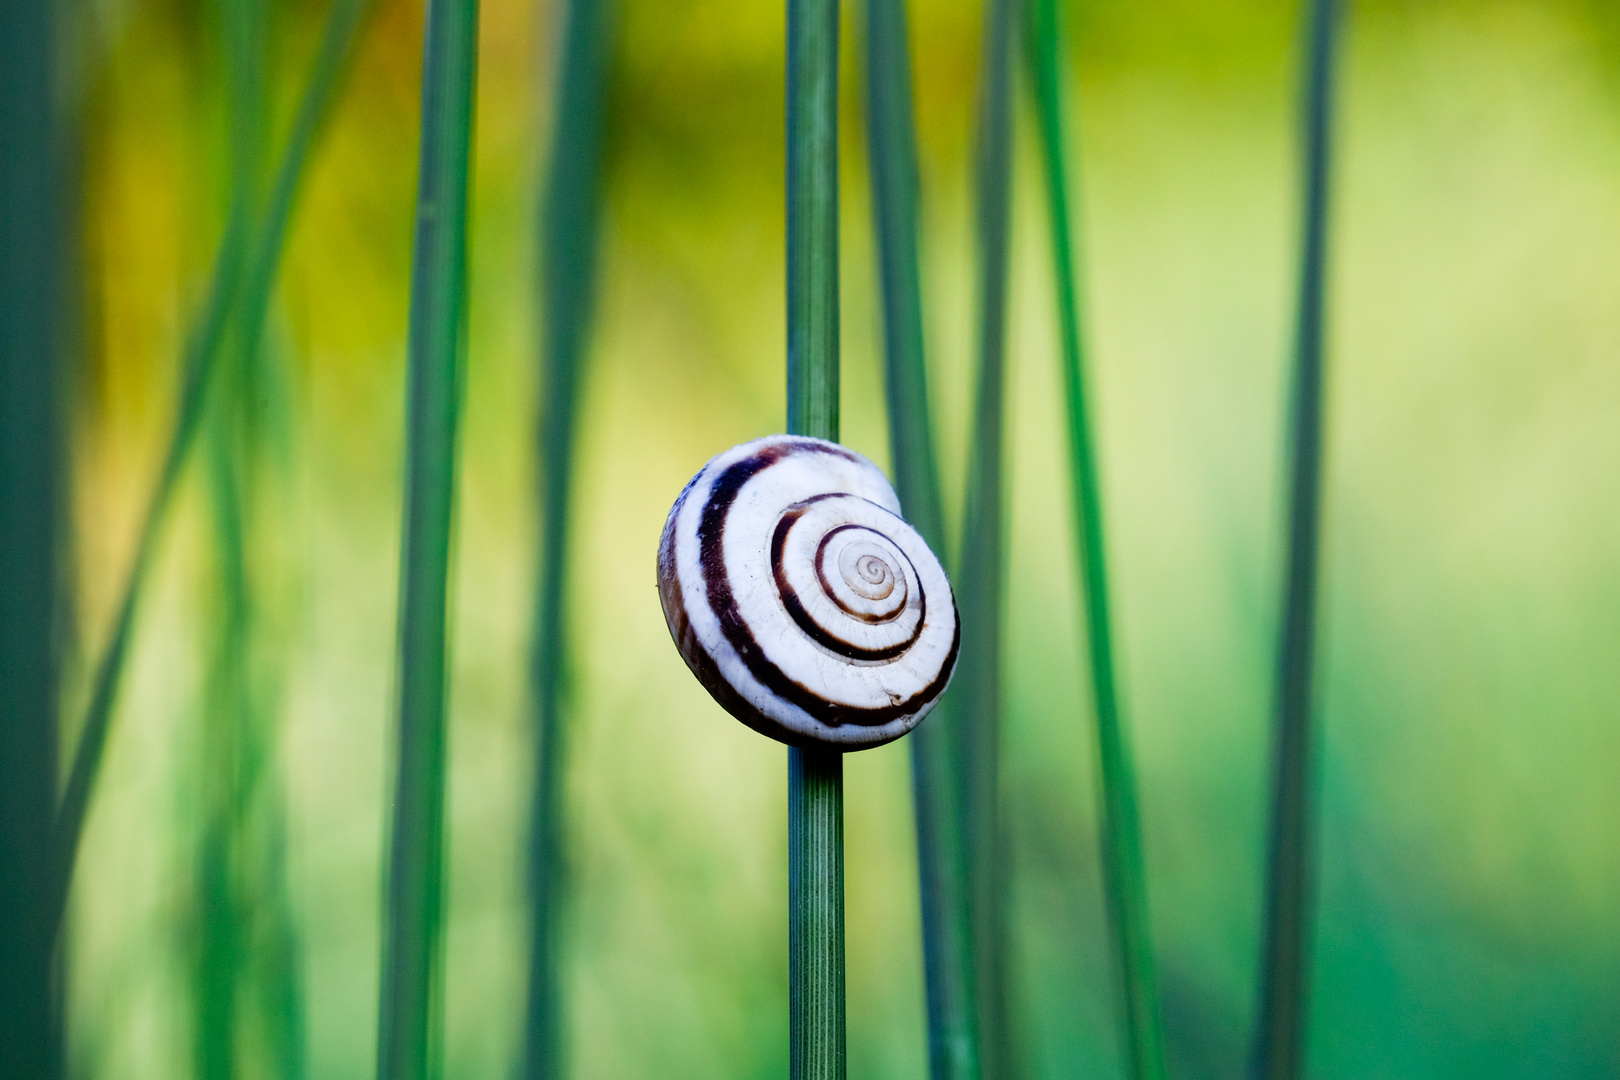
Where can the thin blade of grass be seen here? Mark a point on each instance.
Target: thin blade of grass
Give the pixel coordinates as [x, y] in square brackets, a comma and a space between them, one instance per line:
[218, 911]
[1284, 975]
[245, 264]
[219, 897]
[338, 37]
[1124, 879]
[93, 732]
[816, 914]
[568, 244]
[815, 777]
[412, 974]
[812, 218]
[953, 1051]
[271, 970]
[245, 686]
[279, 963]
[32, 474]
[977, 687]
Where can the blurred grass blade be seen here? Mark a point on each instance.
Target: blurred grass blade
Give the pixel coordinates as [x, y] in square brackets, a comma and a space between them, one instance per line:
[408, 1029]
[1122, 834]
[249, 955]
[246, 955]
[568, 242]
[218, 911]
[1284, 974]
[280, 960]
[815, 777]
[953, 1051]
[338, 36]
[32, 473]
[977, 688]
[892, 146]
[203, 347]
[269, 954]
[244, 263]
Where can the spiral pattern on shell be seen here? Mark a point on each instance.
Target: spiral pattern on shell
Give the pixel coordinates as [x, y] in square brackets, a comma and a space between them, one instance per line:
[802, 600]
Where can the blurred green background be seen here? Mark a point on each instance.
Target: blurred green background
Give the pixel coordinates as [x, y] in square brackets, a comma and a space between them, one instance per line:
[1468, 673]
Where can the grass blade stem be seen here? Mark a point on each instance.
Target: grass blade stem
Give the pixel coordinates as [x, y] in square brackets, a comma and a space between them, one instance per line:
[33, 471]
[1123, 876]
[220, 912]
[568, 244]
[815, 777]
[977, 689]
[412, 972]
[953, 1051]
[1284, 974]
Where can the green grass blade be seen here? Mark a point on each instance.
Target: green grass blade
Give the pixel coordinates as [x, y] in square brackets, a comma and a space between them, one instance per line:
[280, 962]
[338, 37]
[953, 1051]
[977, 689]
[239, 258]
[219, 898]
[815, 777]
[892, 147]
[812, 218]
[1284, 974]
[246, 963]
[202, 350]
[1125, 883]
[33, 472]
[412, 974]
[568, 242]
[816, 914]
[337, 44]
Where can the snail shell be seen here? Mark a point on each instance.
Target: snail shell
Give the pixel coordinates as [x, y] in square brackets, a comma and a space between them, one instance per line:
[801, 600]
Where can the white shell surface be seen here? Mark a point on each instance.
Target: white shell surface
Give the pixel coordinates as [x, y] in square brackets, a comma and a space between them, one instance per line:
[826, 615]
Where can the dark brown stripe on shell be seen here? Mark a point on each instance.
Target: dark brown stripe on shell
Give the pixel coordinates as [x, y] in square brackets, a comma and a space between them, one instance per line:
[698, 660]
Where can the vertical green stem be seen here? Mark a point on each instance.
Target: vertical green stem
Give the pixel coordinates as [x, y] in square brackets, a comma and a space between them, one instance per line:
[32, 472]
[1284, 975]
[816, 914]
[241, 264]
[568, 242]
[812, 218]
[979, 577]
[220, 910]
[272, 929]
[1123, 875]
[891, 140]
[815, 776]
[953, 1052]
[412, 975]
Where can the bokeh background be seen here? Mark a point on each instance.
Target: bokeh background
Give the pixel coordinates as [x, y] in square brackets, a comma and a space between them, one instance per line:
[1468, 675]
